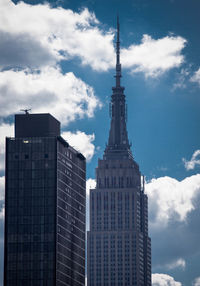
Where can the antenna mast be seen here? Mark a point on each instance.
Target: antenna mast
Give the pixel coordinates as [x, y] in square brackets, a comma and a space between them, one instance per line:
[26, 110]
[118, 65]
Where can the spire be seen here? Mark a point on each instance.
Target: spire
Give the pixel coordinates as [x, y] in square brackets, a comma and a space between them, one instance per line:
[118, 65]
[118, 143]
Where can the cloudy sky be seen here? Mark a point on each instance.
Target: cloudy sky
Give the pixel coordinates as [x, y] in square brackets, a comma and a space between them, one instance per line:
[58, 57]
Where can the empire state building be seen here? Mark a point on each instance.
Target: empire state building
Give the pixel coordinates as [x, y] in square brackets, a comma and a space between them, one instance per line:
[118, 245]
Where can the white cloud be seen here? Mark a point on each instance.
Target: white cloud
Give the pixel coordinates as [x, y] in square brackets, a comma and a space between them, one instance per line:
[197, 281]
[6, 130]
[43, 35]
[82, 142]
[22, 51]
[195, 160]
[181, 80]
[154, 57]
[2, 195]
[63, 95]
[61, 32]
[179, 263]
[2, 184]
[90, 184]
[159, 279]
[170, 198]
[173, 221]
[196, 77]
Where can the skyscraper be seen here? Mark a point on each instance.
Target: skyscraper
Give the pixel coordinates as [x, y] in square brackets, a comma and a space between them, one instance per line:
[118, 247]
[44, 206]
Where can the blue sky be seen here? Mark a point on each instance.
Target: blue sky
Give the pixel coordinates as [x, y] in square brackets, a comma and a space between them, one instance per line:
[58, 57]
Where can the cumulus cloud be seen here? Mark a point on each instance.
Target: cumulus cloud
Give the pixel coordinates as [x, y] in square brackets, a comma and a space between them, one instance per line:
[57, 33]
[179, 263]
[154, 57]
[6, 130]
[197, 281]
[44, 36]
[2, 195]
[171, 199]
[195, 161]
[173, 220]
[90, 184]
[63, 95]
[159, 279]
[22, 51]
[82, 142]
[196, 77]
[2, 210]
[2, 184]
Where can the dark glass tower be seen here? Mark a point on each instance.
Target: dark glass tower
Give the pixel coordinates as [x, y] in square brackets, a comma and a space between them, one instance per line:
[44, 206]
[119, 249]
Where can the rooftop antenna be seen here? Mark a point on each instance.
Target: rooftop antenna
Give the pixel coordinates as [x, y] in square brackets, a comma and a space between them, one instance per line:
[26, 110]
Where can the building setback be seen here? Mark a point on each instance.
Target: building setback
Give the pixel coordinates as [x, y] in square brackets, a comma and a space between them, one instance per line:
[44, 206]
[118, 245]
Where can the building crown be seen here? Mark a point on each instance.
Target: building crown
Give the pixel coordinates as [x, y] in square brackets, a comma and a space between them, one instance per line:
[118, 144]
